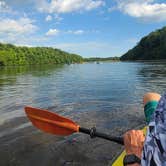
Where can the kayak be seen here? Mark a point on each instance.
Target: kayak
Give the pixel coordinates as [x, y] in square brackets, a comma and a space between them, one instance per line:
[119, 160]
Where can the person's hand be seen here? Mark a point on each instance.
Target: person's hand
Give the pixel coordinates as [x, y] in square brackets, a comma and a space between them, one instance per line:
[133, 141]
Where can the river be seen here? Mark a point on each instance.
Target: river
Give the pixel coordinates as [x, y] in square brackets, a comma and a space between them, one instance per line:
[105, 95]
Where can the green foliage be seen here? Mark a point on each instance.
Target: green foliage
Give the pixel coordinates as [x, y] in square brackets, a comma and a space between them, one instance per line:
[151, 47]
[12, 55]
[95, 59]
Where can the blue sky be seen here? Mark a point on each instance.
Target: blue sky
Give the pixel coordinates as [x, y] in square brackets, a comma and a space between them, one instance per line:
[91, 28]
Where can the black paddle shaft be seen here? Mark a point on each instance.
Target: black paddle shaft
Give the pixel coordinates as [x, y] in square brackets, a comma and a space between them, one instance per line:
[93, 133]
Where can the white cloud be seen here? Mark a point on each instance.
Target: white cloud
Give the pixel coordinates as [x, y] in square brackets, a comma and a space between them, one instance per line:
[52, 32]
[21, 26]
[79, 32]
[4, 8]
[25, 39]
[67, 6]
[58, 18]
[48, 18]
[13, 31]
[76, 32]
[147, 10]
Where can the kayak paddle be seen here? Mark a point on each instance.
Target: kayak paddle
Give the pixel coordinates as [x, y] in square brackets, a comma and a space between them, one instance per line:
[55, 124]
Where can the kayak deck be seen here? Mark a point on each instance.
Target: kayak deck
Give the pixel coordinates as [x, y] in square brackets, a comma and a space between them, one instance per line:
[119, 160]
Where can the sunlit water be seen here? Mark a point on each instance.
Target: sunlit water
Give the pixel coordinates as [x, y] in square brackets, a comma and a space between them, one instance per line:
[107, 95]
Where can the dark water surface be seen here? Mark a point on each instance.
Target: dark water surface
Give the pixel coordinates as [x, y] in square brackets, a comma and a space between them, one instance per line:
[108, 96]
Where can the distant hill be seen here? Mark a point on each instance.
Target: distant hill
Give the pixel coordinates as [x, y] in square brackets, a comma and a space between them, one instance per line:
[14, 55]
[95, 59]
[151, 47]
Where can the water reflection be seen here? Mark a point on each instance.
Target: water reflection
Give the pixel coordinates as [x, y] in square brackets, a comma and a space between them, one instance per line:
[40, 70]
[153, 76]
[26, 85]
[108, 96]
[153, 70]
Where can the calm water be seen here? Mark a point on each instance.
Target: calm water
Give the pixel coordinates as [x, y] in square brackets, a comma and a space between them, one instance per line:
[107, 95]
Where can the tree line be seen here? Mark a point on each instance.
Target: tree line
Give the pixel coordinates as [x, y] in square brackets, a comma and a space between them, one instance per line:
[11, 55]
[150, 47]
[96, 59]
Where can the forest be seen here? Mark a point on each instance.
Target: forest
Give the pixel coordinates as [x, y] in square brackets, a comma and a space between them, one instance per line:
[150, 47]
[11, 55]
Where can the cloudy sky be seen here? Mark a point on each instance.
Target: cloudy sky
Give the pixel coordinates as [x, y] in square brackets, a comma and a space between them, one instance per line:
[100, 28]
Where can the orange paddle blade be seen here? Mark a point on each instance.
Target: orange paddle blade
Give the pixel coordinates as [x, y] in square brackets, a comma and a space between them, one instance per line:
[51, 122]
